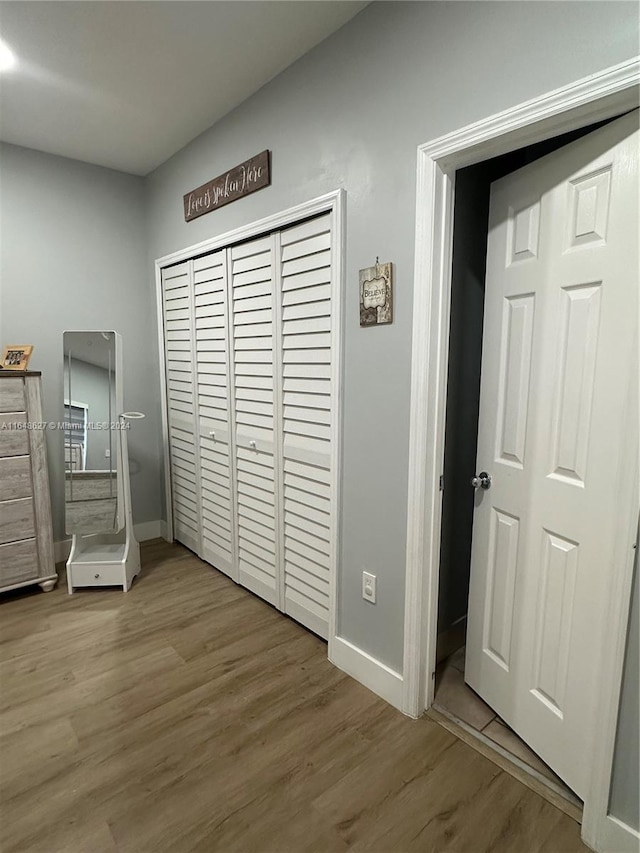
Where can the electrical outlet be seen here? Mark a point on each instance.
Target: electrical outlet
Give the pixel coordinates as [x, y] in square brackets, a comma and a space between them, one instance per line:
[369, 587]
[107, 453]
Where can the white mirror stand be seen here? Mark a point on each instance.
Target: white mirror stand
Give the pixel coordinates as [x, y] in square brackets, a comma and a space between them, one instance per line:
[101, 554]
[108, 559]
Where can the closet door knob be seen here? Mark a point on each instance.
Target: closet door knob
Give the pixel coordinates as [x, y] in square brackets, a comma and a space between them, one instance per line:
[252, 444]
[212, 434]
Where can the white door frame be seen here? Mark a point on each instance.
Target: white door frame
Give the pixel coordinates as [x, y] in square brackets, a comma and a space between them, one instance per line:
[592, 99]
[333, 203]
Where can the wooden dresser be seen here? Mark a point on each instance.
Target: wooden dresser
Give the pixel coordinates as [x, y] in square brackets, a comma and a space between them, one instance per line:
[26, 536]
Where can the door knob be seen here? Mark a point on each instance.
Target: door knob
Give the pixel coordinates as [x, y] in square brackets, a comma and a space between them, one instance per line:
[212, 434]
[252, 444]
[481, 481]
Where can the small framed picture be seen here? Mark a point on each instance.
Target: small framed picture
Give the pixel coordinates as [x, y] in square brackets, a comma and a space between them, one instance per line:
[376, 295]
[16, 356]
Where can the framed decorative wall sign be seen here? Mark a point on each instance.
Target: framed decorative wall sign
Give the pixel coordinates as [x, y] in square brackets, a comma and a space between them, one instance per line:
[254, 174]
[376, 295]
[16, 356]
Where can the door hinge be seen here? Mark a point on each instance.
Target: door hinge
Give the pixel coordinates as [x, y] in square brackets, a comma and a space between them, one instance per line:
[441, 481]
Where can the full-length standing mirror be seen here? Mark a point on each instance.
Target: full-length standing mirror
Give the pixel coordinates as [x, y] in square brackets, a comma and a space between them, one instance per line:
[104, 551]
[92, 402]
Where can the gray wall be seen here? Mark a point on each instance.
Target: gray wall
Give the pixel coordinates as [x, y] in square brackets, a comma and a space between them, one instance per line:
[72, 256]
[350, 114]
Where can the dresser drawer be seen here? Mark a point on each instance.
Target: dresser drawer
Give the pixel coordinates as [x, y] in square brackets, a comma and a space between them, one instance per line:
[14, 441]
[99, 575]
[18, 562]
[12, 395]
[15, 477]
[16, 520]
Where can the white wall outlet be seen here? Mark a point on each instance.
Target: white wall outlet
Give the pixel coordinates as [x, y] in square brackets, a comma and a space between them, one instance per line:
[369, 587]
[107, 453]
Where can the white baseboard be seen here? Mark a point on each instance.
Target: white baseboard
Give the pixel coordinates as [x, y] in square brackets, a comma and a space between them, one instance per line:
[617, 837]
[377, 676]
[143, 532]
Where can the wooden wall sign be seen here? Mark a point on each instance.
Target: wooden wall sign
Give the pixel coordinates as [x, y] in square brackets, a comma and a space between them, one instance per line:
[376, 295]
[252, 175]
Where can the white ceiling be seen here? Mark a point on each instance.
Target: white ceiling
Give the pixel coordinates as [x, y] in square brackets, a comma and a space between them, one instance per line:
[127, 84]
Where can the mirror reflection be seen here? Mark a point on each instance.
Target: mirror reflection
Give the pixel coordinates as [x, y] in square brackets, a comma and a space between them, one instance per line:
[90, 442]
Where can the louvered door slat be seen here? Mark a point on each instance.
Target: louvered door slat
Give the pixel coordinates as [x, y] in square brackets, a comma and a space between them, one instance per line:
[304, 523]
[306, 263]
[254, 546]
[313, 556]
[210, 469]
[250, 468]
[181, 407]
[216, 503]
[262, 509]
[305, 255]
[182, 466]
[306, 295]
[294, 557]
[216, 512]
[253, 347]
[296, 361]
[213, 384]
[244, 294]
[262, 315]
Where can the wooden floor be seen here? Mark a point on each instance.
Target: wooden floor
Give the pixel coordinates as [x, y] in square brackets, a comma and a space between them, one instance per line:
[187, 715]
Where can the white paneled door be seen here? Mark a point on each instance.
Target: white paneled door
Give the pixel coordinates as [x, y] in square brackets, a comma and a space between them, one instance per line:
[558, 426]
[249, 348]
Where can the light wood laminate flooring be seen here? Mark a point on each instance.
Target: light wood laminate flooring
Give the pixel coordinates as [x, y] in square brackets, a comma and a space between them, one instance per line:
[188, 715]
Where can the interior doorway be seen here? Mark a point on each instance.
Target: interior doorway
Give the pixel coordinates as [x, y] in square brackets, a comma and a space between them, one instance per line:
[597, 97]
[470, 232]
[453, 696]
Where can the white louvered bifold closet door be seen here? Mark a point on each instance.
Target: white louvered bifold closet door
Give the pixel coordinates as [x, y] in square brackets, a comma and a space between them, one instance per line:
[306, 287]
[251, 409]
[180, 381]
[254, 367]
[214, 411]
